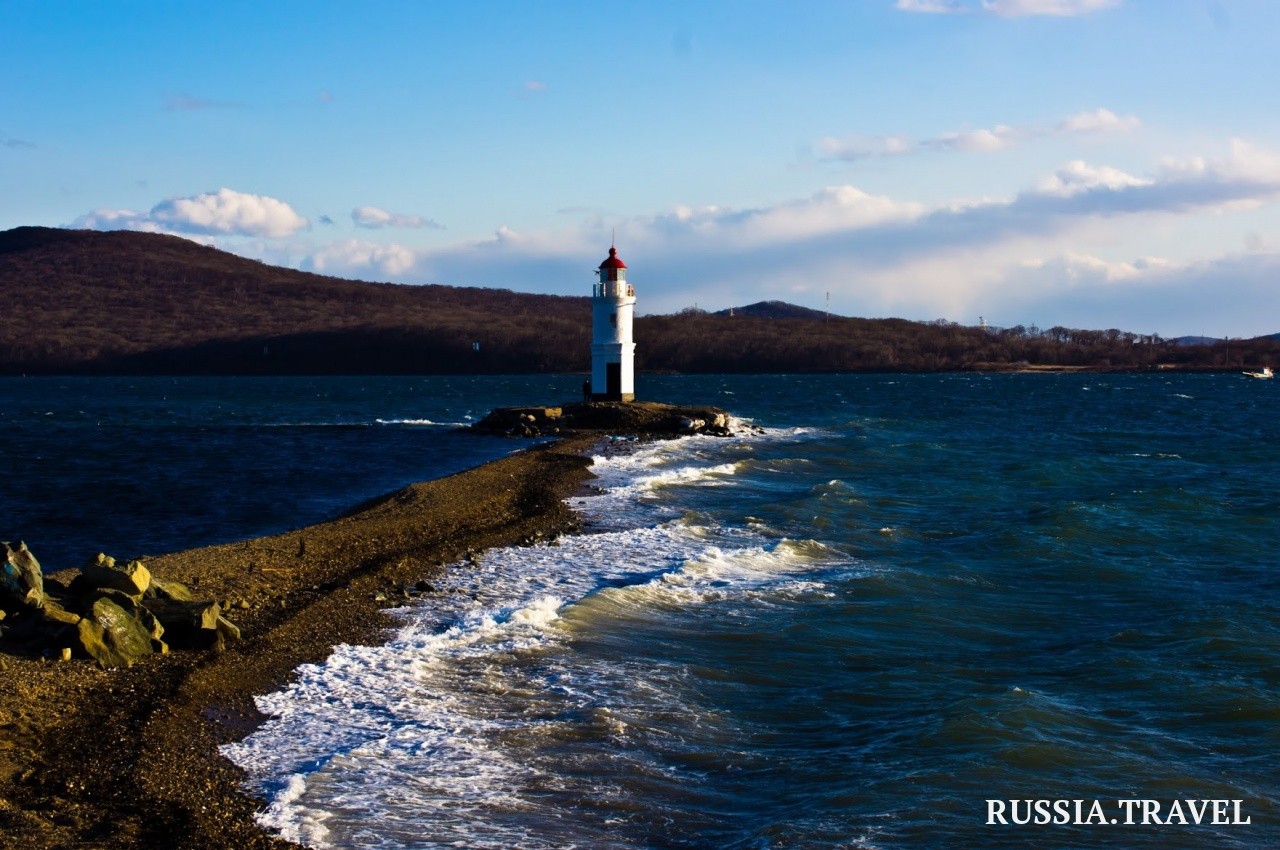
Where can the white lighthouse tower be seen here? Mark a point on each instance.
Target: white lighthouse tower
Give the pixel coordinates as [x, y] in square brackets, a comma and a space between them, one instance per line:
[613, 374]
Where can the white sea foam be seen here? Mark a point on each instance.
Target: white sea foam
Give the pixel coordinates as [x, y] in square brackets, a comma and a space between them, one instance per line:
[446, 723]
[422, 422]
[712, 575]
[294, 822]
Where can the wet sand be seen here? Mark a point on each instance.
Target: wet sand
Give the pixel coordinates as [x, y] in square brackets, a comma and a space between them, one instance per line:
[128, 758]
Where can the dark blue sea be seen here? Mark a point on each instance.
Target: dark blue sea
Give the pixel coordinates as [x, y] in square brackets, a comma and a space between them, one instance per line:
[904, 603]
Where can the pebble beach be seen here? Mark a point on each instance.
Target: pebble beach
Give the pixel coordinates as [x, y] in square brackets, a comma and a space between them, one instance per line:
[128, 757]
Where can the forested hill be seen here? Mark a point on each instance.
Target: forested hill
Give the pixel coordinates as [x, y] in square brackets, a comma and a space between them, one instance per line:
[88, 301]
[135, 303]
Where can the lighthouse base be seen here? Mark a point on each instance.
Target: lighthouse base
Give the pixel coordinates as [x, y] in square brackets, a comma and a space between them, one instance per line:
[612, 374]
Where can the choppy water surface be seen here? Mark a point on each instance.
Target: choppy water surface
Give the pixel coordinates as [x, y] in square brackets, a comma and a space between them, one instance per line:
[136, 466]
[910, 595]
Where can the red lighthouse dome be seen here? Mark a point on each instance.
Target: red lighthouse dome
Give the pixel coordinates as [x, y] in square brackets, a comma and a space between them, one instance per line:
[609, 268]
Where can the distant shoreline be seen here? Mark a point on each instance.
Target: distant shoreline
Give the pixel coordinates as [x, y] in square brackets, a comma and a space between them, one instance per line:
[1048, 369]
[970, 368]
[1033, 369]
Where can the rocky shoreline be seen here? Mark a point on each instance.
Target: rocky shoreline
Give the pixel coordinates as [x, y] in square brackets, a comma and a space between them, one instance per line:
[639, 418]
[127, 757]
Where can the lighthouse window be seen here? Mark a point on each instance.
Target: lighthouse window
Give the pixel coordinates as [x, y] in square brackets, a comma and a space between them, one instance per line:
[613, 319]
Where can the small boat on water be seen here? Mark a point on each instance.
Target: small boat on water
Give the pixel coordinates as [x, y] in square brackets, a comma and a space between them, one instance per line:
[1265, 373]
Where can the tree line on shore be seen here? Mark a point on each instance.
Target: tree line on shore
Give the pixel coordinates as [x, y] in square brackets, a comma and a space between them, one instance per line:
[83, 302]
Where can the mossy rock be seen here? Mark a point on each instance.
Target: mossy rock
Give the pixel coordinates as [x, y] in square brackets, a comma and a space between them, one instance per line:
[114, 636]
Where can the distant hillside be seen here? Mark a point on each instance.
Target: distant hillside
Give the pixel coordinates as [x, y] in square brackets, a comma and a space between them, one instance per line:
[773, 310]
[81, 300]
[140, 303]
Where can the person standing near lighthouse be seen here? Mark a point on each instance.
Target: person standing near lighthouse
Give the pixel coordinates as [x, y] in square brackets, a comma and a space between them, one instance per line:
[612, 349]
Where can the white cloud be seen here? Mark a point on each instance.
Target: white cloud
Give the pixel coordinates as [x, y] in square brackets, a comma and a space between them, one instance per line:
[1007, 8]
[985, 140]
[1244, 161]
[108, 219]
[976, 141]
[832, 210]
[372, 218]
[362, 259]
[930, 7]
[1098, 121]
[227, 212]
[1078, 176]
[1085, 269]
[1055, 8]
[222, 213]
[857, 146]
[1230, 295]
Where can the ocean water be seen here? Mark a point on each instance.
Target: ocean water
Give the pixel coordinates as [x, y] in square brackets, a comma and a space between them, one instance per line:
[143, 466]
[909, 596]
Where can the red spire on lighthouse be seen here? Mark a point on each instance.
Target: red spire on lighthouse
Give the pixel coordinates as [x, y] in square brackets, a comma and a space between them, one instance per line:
[613, 261]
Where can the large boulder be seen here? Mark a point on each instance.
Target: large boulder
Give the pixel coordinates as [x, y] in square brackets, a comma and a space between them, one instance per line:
[93, 641]
[165, 589]
[102, 572]
[227, 629]
[21, 577]
[689, 425]
[190, 624]
[115, 636]
[521, 421]
[53, 612]
[135, 609]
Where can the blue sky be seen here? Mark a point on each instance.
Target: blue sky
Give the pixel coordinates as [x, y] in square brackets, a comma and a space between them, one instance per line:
[1088, 163]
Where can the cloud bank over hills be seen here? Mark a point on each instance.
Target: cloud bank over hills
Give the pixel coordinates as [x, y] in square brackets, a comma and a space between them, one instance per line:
[875, 254]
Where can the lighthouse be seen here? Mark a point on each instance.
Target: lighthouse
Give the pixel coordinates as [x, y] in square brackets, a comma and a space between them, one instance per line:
[613, 301]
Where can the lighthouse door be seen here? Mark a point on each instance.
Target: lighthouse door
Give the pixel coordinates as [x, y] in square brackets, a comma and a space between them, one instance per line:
[613, 380]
